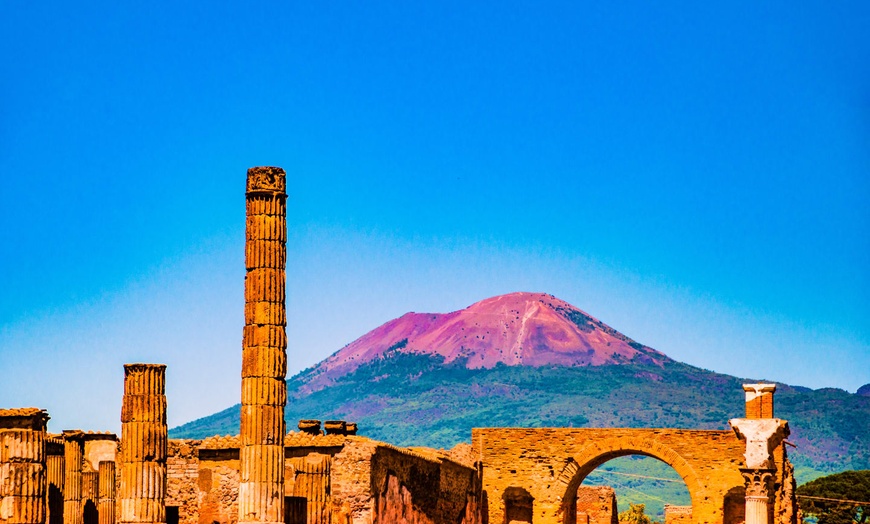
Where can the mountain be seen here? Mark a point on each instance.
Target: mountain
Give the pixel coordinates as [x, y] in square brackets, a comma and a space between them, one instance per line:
[529, 359]
[518, 329]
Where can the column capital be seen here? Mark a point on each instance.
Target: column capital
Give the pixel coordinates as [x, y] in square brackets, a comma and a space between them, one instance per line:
[755, 390]
[267, 179]
[758, 481]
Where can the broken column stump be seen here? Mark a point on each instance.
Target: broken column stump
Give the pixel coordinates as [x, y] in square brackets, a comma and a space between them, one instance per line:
[142, 497]
[22, 465]
[73, 448]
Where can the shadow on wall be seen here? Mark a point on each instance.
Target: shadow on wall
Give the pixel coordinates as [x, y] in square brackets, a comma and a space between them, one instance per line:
[734, 507]
[518, 504]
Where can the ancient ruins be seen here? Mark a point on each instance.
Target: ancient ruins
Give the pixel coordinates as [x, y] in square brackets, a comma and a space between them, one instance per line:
[324, 473]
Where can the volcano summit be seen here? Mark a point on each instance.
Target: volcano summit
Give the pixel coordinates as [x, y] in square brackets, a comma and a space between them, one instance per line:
[517, 329]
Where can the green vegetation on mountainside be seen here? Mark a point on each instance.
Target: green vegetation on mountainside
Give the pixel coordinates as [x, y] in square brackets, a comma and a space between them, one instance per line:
[409, 399]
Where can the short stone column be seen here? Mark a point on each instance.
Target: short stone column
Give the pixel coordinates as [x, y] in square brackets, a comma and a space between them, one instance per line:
[264, 350]
[762, 436]
[106, 504]
[54, 466]
[142, 498]
[73, 448]
[22, 465]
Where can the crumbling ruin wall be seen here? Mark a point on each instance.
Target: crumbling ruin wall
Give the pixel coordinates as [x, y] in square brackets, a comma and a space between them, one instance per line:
[352, 499]
[678, 514]
[182, 474]
[405, 488]
[413, 488]
[218, 486]
[595, 505]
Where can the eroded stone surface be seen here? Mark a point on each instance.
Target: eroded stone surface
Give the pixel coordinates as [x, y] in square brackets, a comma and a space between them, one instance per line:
[106, 486]
[142, 494]
[73, 448]
[595, 505]
[264, 350]
[22, 465]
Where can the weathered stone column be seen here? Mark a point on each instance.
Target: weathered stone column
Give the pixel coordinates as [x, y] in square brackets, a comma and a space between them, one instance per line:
[106, 505]
[54, 465]
[312, 483]
[22, 465]
[142, 497]
[73, 446]
[762, 436]
[264, 349]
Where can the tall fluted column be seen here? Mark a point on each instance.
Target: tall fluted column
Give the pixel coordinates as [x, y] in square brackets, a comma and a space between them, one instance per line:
[106, 505]
[54, 466]
[264, 349]
[142, 497]
[73, 446]
[22, 465]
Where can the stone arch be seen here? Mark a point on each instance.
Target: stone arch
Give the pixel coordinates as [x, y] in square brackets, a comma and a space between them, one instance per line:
[597, 453]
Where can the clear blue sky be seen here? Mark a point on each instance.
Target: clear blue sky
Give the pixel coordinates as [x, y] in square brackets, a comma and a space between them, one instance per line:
[695, 175]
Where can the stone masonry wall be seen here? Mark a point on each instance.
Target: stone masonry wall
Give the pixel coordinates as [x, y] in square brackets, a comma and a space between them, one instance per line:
[182, 472]
[411, 488]
[352, 499]
[678, 514]
[597, 504]
[550, 463]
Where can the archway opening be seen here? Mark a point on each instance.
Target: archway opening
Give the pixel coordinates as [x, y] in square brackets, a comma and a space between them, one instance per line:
[617, 484]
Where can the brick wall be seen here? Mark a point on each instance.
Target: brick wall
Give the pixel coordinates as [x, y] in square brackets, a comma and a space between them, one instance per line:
[678, 514]
[551, 464]
[182, 471]
[597, 503]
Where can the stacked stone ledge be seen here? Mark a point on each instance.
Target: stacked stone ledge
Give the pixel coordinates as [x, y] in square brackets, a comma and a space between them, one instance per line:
[73, 449]
[142, 495]
[22, 466]
[264, 349]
